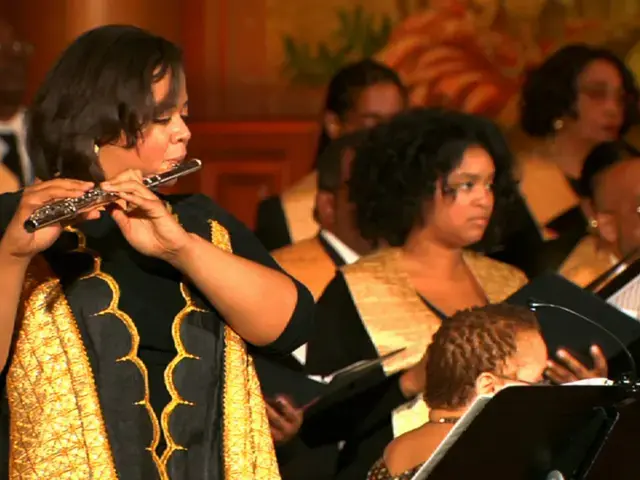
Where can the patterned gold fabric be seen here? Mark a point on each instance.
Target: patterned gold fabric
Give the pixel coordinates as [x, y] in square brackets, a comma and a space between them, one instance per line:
[586, 262]
[395, 316]
[56, 425]
[545, 188]
[298, 203]
[309, 263]
[248, 446]
[57, 429]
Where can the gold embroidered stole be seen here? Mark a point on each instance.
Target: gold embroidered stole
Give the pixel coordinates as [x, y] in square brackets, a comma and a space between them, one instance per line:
[395, 316]
[56, 424]
[298, 203]
[308, 262]
[586, 262]
[248, 447]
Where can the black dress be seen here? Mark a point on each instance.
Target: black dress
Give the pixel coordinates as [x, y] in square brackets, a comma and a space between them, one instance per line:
[172, 321]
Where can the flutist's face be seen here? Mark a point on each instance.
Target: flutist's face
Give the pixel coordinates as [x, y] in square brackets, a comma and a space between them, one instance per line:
[164, 141]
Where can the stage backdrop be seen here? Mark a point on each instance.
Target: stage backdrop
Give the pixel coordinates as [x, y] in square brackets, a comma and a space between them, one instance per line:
[257, 68]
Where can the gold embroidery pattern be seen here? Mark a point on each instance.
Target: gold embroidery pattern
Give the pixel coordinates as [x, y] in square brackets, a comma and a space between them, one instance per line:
[395, 317]
[247, 445]
[132, 356]
[56, 424]
[176, 398]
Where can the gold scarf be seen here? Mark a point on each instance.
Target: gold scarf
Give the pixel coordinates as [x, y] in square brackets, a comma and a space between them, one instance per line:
[396, 317]
[56, 424]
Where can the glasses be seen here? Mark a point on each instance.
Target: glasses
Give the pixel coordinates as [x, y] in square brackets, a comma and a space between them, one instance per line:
[601, 93]
[542, 383]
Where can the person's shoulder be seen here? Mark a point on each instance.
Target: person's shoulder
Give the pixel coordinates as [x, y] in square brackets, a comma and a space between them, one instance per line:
[496, 268]
[202, 206]
[304, 250]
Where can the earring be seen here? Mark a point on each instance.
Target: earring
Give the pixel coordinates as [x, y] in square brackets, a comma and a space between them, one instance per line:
[593, 223]
[558, 124]
[96, 149]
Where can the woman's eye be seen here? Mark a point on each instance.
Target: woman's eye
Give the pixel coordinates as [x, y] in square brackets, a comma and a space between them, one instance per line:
[162, 121]
[466, 186]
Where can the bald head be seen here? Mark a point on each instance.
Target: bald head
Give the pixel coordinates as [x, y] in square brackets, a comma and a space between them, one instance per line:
[616, 195]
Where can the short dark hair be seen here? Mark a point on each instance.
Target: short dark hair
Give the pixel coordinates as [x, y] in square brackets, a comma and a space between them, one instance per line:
[550, 91]
[99, 90]
[396, 169]
[601, 158]
[330, 161]
[348, 83]
[471, 342]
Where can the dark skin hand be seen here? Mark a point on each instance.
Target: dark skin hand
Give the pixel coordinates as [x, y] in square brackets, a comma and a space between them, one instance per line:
[285, 419]
[569, 369]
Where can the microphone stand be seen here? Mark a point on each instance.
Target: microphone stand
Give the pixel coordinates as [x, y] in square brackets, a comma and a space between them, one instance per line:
[628, 380]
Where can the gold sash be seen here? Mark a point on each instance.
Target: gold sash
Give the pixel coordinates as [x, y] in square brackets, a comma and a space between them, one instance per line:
[56, 424]
[586, 262]
[396, 317]
[308, 262]
[545, 189]
[298, 203]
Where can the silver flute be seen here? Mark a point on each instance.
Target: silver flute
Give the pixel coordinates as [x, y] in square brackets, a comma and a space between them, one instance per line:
[69, 208]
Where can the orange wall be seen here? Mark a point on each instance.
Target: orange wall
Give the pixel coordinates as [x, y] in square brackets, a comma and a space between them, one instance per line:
[244, 159]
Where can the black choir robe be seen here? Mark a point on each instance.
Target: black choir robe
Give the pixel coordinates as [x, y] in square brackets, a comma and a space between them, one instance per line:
[313, 262]
[136, 374]
[370, 309]
[286, 219]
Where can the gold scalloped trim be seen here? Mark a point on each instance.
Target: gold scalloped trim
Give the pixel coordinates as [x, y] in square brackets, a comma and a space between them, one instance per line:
[132, 356]
[247, 448]
[176, 398]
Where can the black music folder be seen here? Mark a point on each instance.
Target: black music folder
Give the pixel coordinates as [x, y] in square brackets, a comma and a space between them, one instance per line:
[315, 393]
[564, 329]
[533, 433]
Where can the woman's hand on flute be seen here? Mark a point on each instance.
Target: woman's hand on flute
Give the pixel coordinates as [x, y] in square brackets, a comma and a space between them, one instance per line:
[144, 219]
[19, 244]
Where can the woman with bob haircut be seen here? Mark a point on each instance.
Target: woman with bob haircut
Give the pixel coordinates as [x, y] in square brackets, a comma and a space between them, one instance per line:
[123, 337]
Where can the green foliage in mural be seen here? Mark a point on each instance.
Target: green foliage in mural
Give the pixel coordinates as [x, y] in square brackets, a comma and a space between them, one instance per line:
[358, 35]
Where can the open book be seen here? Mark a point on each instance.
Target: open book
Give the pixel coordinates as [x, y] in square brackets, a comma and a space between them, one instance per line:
[463, 424]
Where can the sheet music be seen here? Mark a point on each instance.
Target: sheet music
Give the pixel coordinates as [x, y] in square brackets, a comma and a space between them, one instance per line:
[627, 299]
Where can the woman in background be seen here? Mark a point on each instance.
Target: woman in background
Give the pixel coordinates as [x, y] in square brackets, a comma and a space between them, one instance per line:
[124, 338]
[475, 352]
[360, 95]
[424, 187]
[579, 97]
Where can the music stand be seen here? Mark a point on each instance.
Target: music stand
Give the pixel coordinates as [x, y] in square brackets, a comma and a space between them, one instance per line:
[536, 433]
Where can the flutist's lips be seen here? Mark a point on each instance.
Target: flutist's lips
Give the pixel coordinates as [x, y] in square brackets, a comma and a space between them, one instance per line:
[173, 163]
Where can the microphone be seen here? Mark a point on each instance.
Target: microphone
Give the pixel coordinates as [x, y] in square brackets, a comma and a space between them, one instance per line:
[533, 305]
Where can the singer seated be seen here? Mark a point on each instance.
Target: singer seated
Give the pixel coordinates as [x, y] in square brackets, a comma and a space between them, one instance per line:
[446, 171]
[610, 179]
[125, 336]
[314, 261]
[360, 95]
[476, 352]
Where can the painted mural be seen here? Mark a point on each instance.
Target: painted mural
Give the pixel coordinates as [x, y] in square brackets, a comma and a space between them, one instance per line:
[470, 55]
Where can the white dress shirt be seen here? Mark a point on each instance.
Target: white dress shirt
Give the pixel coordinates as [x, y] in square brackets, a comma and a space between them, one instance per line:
[348, 256]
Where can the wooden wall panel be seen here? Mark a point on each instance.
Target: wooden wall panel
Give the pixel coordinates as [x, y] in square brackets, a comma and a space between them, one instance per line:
[247, 161]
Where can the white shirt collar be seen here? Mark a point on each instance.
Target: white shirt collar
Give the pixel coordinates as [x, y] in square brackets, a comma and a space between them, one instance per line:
[346, 253]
